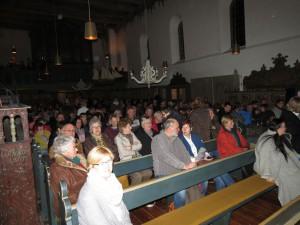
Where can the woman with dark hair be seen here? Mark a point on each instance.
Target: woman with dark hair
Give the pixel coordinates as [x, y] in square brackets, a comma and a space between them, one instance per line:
[291, 116]
[276, 161]
[79, 130]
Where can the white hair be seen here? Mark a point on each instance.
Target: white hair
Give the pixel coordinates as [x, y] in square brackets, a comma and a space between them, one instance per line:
[145, 120]
[62, 143]
[93, 121]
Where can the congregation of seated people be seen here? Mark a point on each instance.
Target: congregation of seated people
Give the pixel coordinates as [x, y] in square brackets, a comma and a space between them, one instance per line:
[77, 137]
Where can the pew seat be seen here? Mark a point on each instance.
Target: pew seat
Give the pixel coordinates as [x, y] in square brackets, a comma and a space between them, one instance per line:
[289, 214]
[216, 207]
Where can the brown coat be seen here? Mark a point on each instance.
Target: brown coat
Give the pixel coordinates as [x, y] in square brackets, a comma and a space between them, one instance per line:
[90, 143]
[200, 120]
[73, 174]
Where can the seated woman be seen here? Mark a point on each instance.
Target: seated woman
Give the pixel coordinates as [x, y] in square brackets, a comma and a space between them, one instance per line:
[128, 148]
[79, 130]
[100, 199]
[276, 161]
[97, 138]
[41, 135]
[196, 148]
[229, 140]
[69, 166]
[145, 134]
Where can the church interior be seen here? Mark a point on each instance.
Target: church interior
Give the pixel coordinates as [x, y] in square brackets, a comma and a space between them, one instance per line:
[167, 112]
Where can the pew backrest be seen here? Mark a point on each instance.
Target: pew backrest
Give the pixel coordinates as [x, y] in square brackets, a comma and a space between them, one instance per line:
[65, 204]
[141, 194]
[287, 215]
[146, 162]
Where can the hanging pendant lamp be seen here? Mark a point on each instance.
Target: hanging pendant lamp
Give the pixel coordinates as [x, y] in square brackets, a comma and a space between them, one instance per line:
[46, 72]
[90, 31]
[13, 50]
[58, 61]
[235, 49]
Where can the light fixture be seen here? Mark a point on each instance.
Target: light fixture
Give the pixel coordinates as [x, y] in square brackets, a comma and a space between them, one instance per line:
[90, 31]
[57, 59]
[148, 74]
[46, 72]
[13, 50]
[235, 49]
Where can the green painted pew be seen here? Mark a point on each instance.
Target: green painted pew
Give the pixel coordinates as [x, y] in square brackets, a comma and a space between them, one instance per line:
[146, 162]
[39, 177]
[158, 188]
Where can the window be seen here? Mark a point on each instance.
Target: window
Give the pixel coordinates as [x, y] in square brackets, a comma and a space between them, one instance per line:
[181, 41]
[177, 39]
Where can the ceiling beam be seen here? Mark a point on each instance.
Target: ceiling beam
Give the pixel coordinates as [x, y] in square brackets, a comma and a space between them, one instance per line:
[103, 19]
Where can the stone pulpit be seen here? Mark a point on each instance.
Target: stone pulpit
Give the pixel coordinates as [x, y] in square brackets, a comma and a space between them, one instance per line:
[17, 193]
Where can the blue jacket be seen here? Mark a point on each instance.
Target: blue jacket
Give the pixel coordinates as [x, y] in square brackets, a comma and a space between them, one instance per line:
[195, 139]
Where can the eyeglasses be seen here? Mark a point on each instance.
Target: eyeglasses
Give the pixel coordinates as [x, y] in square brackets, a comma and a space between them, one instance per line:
[69, 130]
[109, 162]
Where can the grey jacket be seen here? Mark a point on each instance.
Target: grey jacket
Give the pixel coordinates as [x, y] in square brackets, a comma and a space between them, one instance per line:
[270, 163]
[169, 155]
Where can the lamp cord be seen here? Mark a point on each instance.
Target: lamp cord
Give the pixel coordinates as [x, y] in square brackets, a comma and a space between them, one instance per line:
[146, 18]
[89, 9]
[56, 39]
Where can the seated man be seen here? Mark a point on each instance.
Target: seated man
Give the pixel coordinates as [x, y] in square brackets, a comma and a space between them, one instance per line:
[169, 156]
[68, 166]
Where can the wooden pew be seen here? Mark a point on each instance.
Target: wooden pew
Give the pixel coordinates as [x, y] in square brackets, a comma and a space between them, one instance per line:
[42, 183]
[155, 189]
[146, 162]
[216, 208]
[158, 188]
[39, 177]
[287, 215]
[65, 205]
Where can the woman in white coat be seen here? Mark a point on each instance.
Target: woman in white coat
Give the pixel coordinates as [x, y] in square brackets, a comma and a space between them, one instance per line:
[100, 199]
[277, 162]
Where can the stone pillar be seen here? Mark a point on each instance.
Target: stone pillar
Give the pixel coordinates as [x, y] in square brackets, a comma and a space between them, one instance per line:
[18, 204]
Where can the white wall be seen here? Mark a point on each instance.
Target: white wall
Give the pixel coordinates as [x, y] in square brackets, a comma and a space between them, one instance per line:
[272, 27]
[20, 39]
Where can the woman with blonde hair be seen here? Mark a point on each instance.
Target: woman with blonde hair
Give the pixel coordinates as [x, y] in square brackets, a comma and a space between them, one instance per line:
[229, 140]
[100, 199]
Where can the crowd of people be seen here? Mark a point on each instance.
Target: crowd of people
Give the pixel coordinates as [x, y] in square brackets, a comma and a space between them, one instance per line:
[82, 141]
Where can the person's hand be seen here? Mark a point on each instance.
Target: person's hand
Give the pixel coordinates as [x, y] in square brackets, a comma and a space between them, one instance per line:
[245, 149]
[190, 166]
[270, 179]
